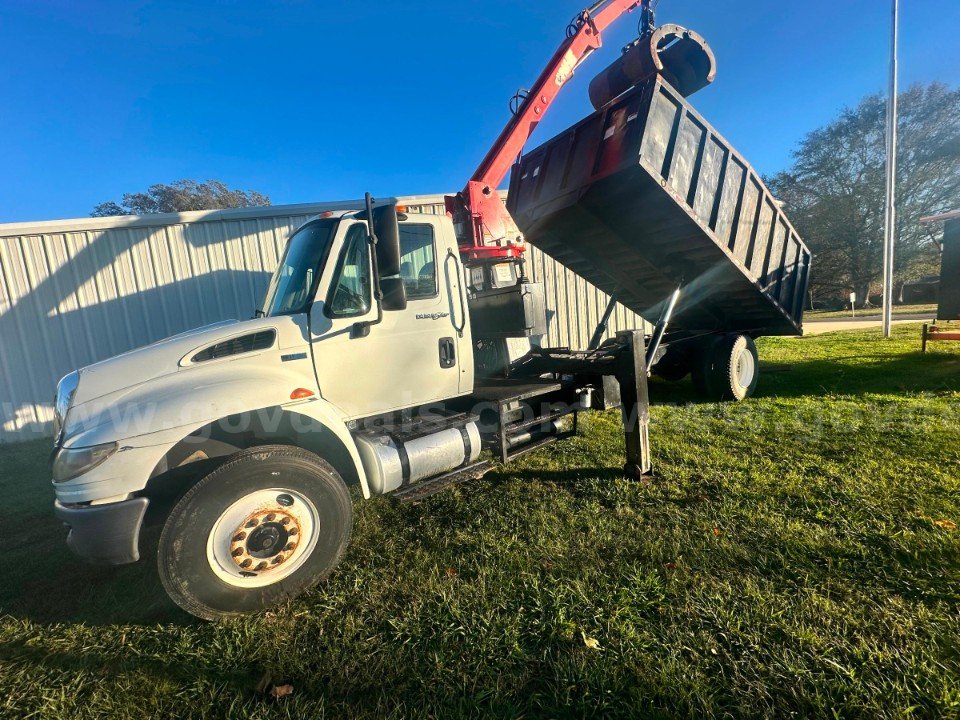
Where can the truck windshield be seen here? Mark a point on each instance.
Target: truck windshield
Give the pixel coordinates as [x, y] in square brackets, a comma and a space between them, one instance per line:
[292, 285]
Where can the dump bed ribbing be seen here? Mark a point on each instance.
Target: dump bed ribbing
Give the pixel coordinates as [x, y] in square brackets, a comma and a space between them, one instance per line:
[644, 195]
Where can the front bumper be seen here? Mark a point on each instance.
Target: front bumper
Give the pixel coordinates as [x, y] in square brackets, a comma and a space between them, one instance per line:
[104, 534]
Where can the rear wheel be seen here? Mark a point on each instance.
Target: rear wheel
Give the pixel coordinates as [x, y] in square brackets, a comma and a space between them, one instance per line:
[727, 368]
[261, 528]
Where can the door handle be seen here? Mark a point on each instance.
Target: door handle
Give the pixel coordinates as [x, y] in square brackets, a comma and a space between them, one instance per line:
[448, 353]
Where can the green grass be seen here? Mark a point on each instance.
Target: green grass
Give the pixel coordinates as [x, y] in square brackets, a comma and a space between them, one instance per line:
[795, 557]
[930, 309]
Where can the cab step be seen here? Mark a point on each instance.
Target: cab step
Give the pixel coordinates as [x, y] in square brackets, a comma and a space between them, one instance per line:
[425, 488]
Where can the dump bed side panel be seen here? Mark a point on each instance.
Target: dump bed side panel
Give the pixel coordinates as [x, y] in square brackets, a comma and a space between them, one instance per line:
[644, 195]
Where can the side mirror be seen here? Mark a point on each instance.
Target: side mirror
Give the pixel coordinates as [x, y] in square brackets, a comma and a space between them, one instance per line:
[394, 293]
[387, 229]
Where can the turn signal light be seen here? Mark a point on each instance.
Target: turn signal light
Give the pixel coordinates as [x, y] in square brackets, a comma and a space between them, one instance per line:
[301, 393]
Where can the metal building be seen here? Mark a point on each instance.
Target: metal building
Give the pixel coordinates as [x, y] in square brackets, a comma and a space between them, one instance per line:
[73, 292]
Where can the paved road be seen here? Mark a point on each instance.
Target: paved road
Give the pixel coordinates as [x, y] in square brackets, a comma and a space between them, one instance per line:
[817, 327]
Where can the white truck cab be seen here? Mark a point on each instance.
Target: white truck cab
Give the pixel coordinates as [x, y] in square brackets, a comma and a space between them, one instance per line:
[425, 349]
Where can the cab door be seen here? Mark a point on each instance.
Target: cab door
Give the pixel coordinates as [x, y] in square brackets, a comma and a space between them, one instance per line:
[414, 356]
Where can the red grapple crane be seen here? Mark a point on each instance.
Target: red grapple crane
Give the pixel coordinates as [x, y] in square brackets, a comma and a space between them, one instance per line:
[478, 212]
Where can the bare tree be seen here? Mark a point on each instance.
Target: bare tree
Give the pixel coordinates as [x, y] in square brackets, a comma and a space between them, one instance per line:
[181, 196]
[834, 192]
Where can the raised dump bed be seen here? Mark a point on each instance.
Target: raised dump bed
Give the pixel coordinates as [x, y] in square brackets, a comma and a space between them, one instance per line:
[644, 195]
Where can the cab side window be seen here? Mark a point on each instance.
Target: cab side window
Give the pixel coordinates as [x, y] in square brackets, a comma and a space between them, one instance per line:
[350, 291]
[418, 266]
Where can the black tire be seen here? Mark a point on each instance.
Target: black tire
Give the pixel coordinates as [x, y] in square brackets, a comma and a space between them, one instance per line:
[727, 368]
[182, 557]
[674, 366]
[701, 366]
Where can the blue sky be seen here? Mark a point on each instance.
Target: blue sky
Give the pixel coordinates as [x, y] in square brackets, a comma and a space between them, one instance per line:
[312, 101]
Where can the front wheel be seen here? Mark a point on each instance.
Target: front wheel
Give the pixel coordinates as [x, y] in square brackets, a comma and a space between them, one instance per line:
[261, 528]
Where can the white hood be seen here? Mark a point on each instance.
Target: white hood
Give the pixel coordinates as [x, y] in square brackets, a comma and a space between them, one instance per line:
[149, 362]
[160, 386]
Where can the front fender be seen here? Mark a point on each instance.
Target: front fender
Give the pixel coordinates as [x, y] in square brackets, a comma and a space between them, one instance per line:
[313, 424]
[187, 399]
[330, 418]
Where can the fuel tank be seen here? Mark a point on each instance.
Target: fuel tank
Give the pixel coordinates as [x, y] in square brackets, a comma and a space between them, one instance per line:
[391, 460]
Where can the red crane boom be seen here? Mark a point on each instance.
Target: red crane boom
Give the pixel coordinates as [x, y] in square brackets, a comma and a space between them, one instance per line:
[478, 211]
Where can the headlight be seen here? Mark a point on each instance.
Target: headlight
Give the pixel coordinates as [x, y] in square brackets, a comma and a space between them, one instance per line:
[66, 389]
[70, 462]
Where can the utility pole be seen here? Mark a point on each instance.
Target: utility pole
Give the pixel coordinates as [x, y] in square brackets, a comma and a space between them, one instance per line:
[890, 222]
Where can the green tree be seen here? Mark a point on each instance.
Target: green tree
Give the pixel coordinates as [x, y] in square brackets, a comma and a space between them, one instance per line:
[834, 192]
[181, 196]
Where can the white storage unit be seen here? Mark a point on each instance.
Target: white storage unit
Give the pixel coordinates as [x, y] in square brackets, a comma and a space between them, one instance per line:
[76, 291]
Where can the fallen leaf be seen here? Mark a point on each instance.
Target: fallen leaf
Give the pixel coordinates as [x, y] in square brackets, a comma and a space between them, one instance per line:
[451, 572]
[279, 691]
[945, 524]
[590, 642]
[716, 532]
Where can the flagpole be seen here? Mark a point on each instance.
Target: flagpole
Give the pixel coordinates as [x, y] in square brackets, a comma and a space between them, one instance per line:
[890, 221]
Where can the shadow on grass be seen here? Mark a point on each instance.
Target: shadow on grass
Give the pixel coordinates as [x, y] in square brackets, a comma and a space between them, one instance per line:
[854, 375]
[590, 482]
[44, 582]
[59, 588]
[108, 664]
[881, 374]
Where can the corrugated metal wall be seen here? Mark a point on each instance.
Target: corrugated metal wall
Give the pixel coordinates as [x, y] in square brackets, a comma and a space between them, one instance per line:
[76, 291]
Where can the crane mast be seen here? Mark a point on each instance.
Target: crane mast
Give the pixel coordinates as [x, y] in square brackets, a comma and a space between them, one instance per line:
[478, 211]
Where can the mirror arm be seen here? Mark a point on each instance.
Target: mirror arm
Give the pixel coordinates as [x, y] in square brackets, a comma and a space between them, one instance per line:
[362, 329]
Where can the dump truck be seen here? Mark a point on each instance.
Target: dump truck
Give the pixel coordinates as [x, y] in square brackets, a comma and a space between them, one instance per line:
[399, 353]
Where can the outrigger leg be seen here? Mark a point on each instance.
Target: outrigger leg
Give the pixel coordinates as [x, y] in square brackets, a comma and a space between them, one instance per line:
[635, 404]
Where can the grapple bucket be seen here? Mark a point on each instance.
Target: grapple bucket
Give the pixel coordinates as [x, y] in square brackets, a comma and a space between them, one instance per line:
[681, 56]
